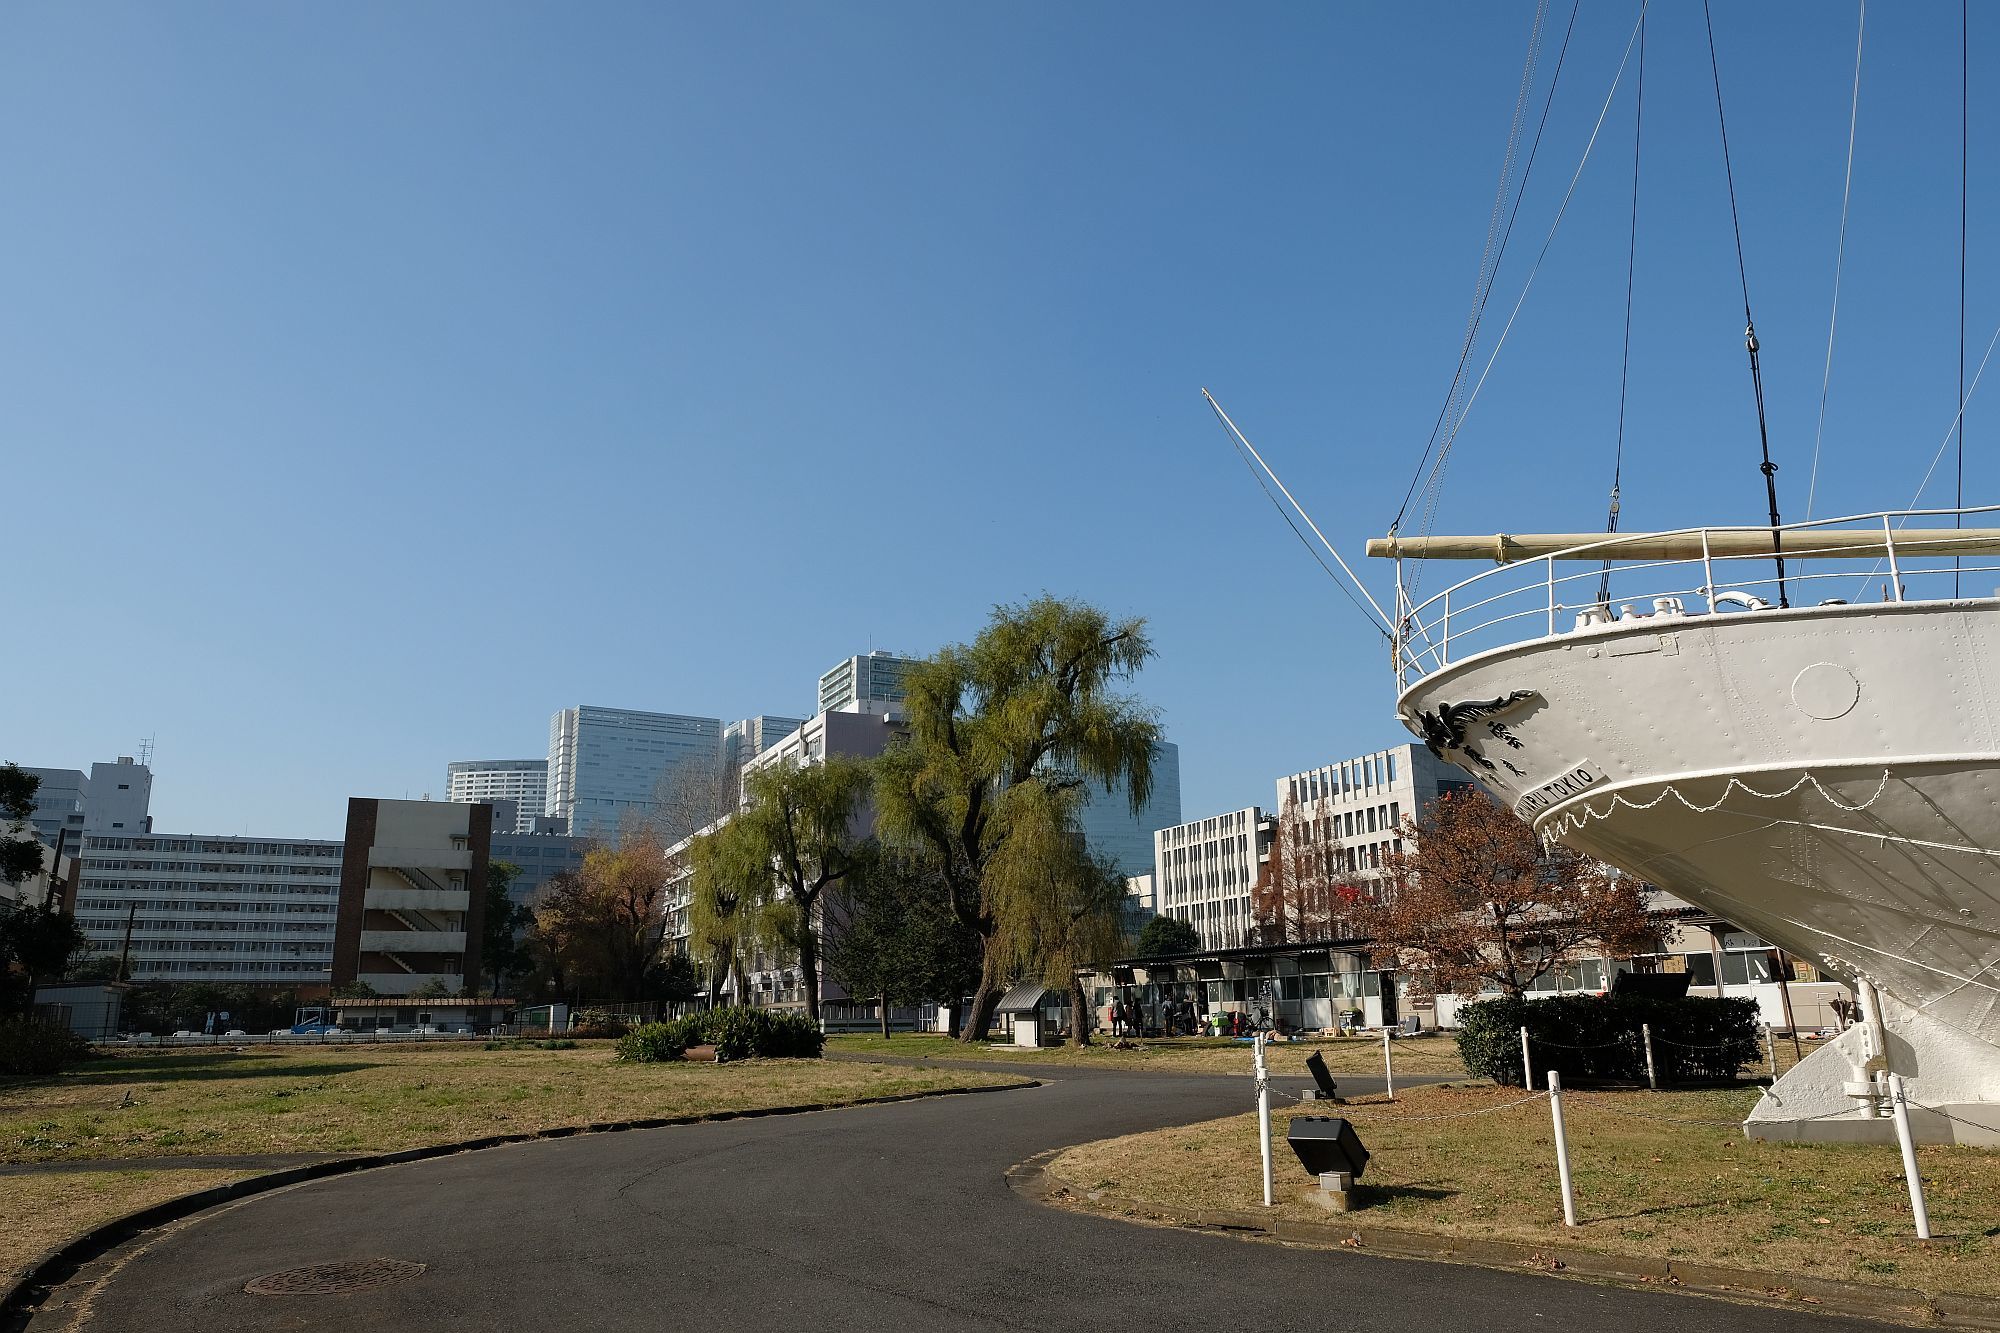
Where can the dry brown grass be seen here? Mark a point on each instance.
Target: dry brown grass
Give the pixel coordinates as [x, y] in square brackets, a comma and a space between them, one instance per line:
[44, 1211]
[1698, 1193]
[378, 1099]
[1435, 1056]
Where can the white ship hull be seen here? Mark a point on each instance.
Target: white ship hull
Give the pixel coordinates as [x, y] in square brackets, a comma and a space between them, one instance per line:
[1828, 777]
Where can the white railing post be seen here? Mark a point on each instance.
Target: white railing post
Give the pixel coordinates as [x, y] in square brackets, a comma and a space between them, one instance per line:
[1527, 1069]
[1652, 1078]
[1388, 1066]
[1771, 1052]
[1895, 574]
[1550, 563]
[1707, 571]
[1562, 1147]
[1444, 644]
[1263, 1116]
[1900, 1104]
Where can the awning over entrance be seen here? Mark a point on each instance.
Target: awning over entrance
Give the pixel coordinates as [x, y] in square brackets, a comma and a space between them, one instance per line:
[1024, 997]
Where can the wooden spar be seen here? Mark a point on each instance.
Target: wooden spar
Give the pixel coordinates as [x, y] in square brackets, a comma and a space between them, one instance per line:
[1799, 544]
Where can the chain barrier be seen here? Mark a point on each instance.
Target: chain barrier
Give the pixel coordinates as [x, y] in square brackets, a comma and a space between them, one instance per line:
[1454, 1115]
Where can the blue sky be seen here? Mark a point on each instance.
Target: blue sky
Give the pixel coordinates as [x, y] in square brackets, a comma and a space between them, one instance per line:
[381, 378]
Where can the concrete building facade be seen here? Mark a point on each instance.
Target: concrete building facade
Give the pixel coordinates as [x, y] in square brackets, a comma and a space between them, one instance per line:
[1204, 873]
[524, 782]
[211, 908]
[606, 764]
[864, 684]
[540, 858]
[412, 895]
[112, 798]
[745, 740]
[1355, 808]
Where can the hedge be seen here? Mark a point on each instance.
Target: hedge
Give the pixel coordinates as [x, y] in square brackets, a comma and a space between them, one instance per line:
[38, 1047]
[1696, 1039]
[736, 1032]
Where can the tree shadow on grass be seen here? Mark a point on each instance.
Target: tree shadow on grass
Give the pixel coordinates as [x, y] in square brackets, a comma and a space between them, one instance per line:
[1741, 1201]
[1367, 1194]
[185, 1068]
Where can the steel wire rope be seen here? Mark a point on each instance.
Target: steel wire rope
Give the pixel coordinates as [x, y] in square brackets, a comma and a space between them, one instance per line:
[1625, 357]
[1964, 138]
[1840, 263]
[1482, 287]
[1768, 468]
[1310, 549]
[1432, 485]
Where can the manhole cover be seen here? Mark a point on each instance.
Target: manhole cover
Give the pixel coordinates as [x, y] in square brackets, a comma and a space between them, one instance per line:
[334, 1279]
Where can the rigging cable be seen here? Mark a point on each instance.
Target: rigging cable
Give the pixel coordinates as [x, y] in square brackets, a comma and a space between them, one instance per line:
[1631, 265]
[1482, 290]
[1562, 210]
[1769, 469]
[1964, 101]
[1840, 262]
[1374, 618]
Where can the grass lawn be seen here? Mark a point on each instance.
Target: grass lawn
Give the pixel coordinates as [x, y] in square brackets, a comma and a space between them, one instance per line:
[355, 1099]
[1194, 1055]
[44, 1211]
[1699, 1193]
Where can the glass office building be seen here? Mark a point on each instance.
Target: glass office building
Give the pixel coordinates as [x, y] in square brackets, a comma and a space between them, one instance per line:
[610, 764]
[1111, 829]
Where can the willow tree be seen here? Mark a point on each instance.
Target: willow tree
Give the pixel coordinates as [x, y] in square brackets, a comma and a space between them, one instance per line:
[725, 901]
[798, 830]
[1060, 912]
[1027, 712]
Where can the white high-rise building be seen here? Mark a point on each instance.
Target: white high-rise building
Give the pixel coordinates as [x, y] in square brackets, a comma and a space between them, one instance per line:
[522, 781]
[113, 798]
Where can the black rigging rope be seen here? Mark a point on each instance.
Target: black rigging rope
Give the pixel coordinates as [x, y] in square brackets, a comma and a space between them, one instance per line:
[1483, 288]
[1769, 469]
[1631, 264]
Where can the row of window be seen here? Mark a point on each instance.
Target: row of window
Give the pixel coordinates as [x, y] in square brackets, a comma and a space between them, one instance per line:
[240, 871]
[197, 905]
[326, 892]
[1337, 780]
[114, 925]
[316, 850]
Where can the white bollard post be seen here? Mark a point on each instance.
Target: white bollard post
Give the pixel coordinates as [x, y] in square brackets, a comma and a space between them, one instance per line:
[1900, 1104]
[1388, 1065]
[1771, 1052]
[1562, 1147]
[1652, 1079]
[1263, 1115]
[1527, 1067]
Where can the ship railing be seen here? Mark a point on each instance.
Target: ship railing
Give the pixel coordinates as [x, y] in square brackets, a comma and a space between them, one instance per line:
[1604, 582]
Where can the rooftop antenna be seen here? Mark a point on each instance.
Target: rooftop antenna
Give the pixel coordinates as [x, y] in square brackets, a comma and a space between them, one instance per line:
[146, 751]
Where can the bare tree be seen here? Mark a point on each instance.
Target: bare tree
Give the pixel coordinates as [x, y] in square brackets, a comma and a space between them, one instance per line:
[1303, 889]
[1475, 899]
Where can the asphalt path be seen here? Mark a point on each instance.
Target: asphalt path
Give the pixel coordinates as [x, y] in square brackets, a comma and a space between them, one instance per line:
[892, 1217]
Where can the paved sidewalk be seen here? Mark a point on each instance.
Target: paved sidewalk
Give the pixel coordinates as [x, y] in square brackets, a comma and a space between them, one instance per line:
[878, 1218]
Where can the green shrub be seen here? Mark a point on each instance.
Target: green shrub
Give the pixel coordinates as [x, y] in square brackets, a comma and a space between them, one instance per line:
[1696, 1039]
[37, 1046]
[739, 1033]
[651, 1043]
[598, 1023]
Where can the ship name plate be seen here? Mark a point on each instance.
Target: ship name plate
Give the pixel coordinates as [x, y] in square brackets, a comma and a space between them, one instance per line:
[1572, 782]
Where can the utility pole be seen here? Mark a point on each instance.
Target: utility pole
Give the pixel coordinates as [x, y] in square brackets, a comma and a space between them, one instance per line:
[125, 953]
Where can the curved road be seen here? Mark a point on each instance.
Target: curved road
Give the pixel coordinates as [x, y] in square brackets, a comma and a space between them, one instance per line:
[877, 1218]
